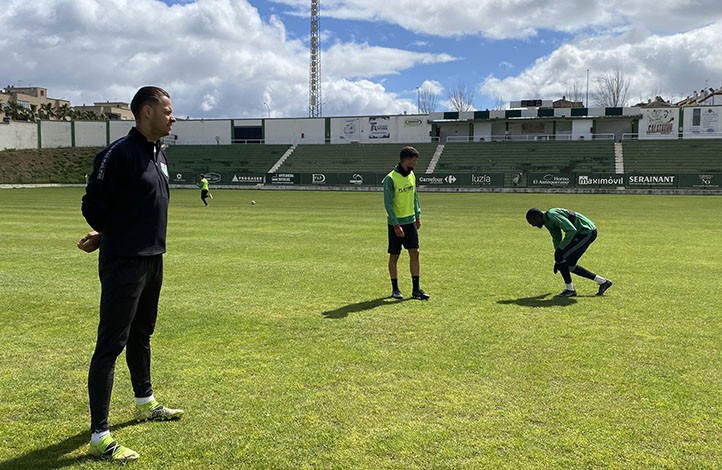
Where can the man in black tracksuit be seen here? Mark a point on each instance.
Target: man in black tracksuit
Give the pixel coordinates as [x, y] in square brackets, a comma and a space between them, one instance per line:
[126, 204]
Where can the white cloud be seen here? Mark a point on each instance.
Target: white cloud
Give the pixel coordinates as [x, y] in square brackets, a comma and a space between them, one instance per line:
[653, 64]
[217, 58]
[520, 18]
[361, 60]
[358, 97]
[433, 87]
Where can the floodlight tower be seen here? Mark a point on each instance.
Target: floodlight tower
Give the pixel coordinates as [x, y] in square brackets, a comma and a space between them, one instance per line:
[314, 82]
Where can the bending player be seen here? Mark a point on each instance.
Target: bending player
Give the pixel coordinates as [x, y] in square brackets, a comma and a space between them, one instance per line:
[579, 233]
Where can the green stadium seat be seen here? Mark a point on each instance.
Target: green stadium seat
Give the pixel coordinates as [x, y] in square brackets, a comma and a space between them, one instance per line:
[673, 156]
[513, 158]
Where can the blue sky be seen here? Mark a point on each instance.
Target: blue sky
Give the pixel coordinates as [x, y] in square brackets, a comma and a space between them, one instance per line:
[238, 58]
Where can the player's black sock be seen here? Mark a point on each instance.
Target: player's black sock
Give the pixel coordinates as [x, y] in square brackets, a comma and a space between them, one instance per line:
[394, 284]
[564, 270]
[580, 271]
[415, 281]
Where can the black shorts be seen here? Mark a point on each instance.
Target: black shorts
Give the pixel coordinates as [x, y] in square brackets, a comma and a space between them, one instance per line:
[410, 240]
[204, 193]
[577, 247]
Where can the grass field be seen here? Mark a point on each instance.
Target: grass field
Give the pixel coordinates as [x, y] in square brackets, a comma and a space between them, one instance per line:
[277, 337]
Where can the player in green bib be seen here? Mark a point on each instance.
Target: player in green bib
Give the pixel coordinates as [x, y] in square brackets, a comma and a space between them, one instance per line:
[203, 184]
[579, 233]
[404, 220]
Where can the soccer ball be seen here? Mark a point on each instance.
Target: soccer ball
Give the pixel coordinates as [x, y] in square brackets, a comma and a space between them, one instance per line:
[253, 202]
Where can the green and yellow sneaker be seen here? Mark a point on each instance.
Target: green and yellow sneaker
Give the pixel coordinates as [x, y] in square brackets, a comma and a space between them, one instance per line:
[154, 411]
[109, 449]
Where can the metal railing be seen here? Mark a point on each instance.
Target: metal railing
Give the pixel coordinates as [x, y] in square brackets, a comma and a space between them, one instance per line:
[674, 136]
[530, 138]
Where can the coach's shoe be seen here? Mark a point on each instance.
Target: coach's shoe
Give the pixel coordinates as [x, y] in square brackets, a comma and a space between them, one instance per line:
[154, 411]
[604, 286]
[109, 449]
[396, 294]
[568, 293]
[420, 295]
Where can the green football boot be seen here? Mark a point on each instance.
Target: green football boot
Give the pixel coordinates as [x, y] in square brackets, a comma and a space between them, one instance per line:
[154, 411]
[109, 449]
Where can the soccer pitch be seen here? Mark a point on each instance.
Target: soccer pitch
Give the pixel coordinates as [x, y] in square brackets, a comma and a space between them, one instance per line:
[277, 336]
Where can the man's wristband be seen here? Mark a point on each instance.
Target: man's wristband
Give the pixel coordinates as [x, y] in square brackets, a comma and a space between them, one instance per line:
[397, 226]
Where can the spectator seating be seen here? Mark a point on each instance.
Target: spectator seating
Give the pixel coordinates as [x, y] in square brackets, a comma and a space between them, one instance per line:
[673, 156]
[241, 158]
[345, 158]
[514, 158]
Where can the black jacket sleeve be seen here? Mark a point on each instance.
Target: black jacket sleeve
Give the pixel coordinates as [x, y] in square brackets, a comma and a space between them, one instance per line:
[98, 193]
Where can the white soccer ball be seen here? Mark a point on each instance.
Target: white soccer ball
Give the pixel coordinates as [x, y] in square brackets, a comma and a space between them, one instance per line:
[253, 202]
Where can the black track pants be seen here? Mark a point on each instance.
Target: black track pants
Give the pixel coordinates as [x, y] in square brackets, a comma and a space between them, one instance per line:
[130, 287]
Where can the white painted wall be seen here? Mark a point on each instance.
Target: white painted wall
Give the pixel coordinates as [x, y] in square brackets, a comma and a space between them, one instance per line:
[482, 130]
[18, 135]
[345, 130]
[454, 132]
[203, 131]
[411, 128]
[119, 129]
[701, 122]
[466, 115]
[582, 129]
[90, 133]
[296, 131]
[55, 134]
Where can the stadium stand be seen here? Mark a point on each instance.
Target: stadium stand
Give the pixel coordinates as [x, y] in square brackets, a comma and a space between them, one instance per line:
[379, 158]
[241, 158]
[514, 158]
[673, 156]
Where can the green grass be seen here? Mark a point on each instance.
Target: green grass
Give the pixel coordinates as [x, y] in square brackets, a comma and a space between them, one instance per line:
[276, 336]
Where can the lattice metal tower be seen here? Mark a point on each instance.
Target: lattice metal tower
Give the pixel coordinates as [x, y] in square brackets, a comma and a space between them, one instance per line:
[314, 82]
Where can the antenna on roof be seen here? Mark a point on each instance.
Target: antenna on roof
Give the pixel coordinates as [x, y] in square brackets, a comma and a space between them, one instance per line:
[314, 81]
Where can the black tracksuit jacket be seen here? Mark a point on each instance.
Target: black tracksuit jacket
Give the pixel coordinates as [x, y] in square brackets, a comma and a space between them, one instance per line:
[127, 196]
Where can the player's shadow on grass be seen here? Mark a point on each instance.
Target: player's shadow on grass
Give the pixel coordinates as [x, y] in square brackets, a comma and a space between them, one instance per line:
[540, 301]
[343, 312]
[54, 455]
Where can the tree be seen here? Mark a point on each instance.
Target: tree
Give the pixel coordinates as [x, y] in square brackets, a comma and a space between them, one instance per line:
[427, 100]
[15, 111]
[612, 90]
[87, 115]
[499, 103]
[63, 111]
[32, 113]
[461, 97]
[575, 91]
[46, 111]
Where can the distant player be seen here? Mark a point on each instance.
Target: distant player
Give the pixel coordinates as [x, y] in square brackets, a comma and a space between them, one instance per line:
[404, 219]
[579, 233]
[203, 184]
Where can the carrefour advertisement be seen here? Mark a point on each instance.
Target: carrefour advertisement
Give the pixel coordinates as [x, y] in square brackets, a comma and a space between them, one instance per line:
[659, 123]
